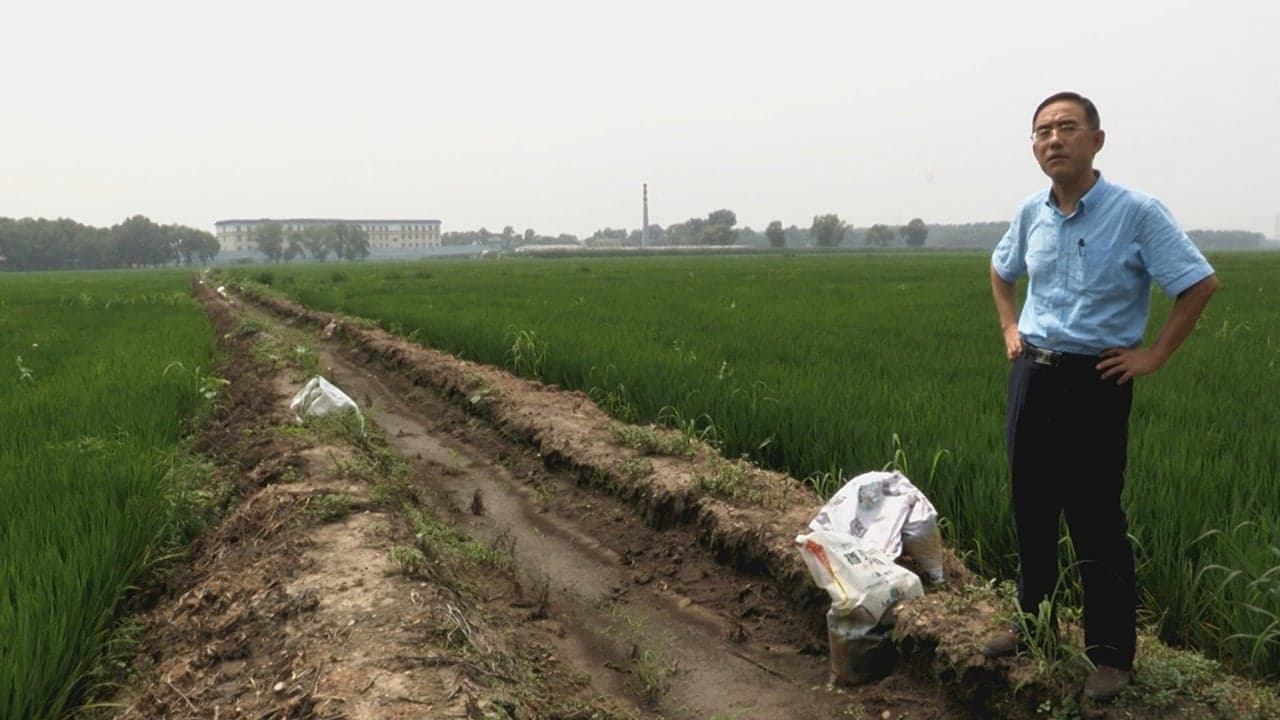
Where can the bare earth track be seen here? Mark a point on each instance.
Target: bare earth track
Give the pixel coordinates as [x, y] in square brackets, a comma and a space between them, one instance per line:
[596, 614]
[494, 550]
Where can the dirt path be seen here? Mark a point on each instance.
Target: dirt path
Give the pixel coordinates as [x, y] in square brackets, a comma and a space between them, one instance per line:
[496, 548]
[451, 571]
[627, 605]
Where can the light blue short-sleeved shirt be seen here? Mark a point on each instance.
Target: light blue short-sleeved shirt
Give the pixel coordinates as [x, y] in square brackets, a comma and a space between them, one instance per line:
[1090, 272]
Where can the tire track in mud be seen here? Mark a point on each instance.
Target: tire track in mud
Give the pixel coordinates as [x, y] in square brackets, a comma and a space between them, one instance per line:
[647, 614]
[614, 594]
[598, 619]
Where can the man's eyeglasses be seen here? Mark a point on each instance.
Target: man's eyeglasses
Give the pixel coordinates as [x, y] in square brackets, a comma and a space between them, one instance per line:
[1065, 130]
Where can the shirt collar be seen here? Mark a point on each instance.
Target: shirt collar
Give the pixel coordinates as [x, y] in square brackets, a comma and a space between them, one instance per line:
[1094, 194]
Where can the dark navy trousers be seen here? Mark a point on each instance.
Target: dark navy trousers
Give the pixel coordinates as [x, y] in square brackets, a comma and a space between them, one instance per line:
[1067, 438]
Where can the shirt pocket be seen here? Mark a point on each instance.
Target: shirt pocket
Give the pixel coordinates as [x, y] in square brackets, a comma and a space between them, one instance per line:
[1101, 267]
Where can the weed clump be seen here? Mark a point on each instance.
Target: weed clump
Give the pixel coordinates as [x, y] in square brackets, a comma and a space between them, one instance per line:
[652, 440]
[330, 506]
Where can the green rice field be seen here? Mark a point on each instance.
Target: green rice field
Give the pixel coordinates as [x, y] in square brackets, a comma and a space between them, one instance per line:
[825, 366]
[98, 374]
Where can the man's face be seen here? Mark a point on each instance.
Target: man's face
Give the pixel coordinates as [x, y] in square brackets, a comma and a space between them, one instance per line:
[1063, 142]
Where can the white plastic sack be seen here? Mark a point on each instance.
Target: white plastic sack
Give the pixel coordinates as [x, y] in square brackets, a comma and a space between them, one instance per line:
[923, 542]
[863, 583]
[320, 397]
[881, 510]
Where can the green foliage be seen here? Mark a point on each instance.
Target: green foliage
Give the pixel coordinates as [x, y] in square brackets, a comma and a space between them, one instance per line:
[1250, 593]
[453, 550]
[827, 230]
[207, 385]
[730, 481]
[315, 239]
[695, 430]
[1165, 677]
[408, 560]
[30, 244]
[250, 327]
[527, 355]
[349, 242]
[269, 238]
[610, 393]
[653, 440]
[652, 671]
[717, 228]
[853, 349]
[634, 470]
[307, 360]
[89, 495]
[901, 461]
[777, 237]
[330, 506]
[606, 237]
[914, 232]
[193, 497]
[878, 236]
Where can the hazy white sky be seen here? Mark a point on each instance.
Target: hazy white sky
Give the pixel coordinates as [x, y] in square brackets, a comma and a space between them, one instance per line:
[552, 114]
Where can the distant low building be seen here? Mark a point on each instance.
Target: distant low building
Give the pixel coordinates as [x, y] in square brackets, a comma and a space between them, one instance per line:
[236, 236]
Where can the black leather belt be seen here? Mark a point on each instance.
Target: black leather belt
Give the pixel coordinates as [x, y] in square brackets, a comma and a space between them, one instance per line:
[1040, 356]
[1053, 358]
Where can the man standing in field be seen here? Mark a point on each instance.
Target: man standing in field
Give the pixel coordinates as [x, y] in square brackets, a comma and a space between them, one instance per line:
[1090, 250]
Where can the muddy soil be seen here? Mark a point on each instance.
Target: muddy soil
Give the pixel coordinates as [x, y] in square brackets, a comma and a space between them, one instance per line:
[491, 547]
[327, 592]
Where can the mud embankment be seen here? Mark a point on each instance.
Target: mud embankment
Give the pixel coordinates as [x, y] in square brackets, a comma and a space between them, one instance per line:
[751, 527]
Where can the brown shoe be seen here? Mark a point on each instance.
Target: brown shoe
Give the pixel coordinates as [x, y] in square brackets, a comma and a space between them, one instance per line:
[1106, 682]
[1003, 644]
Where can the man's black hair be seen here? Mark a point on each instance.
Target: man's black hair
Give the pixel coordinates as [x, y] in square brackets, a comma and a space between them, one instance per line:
[1090, 110]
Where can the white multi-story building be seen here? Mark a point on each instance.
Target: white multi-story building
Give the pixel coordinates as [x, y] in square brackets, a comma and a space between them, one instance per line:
[235, 236]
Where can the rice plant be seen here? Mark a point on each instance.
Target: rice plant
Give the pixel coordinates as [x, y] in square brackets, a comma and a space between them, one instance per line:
[527, 355]
[89, 424]
[811, 365]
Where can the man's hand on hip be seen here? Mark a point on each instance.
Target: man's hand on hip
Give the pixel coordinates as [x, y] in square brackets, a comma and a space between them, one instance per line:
[1125, 364]
[1012, 342]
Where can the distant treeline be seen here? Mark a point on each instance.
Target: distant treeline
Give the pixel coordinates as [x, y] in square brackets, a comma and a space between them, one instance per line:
[986, 235]
[508, 237]
[976, 235]
[719, 227]
[30, 244]
[1226, 239]
[63, 244]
